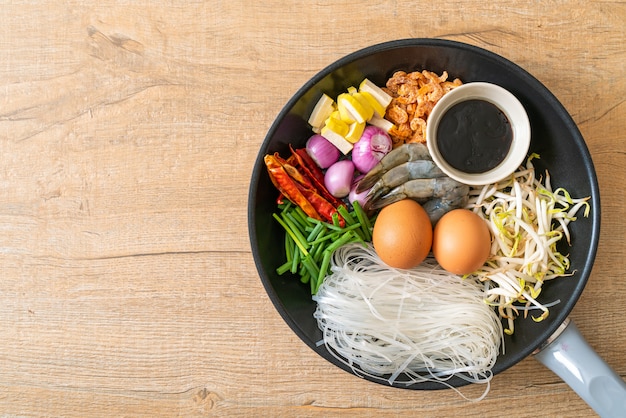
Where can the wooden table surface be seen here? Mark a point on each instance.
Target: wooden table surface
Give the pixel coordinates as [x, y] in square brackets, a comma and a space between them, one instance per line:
[127, 138]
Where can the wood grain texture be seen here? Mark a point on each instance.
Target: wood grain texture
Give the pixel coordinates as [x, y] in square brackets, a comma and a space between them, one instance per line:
[127, 136]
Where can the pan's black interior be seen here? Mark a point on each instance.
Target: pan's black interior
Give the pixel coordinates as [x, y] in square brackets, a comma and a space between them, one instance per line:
[555, 138]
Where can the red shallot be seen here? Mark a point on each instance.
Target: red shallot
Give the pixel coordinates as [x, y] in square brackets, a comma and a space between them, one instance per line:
[338, 178]
[356, 196]
[323, 152]
[373, 145]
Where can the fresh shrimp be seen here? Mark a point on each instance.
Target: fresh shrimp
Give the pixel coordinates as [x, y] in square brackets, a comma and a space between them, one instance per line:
[400, 155]
[420, 169]
[421, 190]
[436, 208]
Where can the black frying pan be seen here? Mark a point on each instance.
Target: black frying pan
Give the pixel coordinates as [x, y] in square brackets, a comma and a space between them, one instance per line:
[555, 138]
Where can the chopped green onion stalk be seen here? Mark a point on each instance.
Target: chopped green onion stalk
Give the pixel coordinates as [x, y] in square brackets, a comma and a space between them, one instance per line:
[310, 243]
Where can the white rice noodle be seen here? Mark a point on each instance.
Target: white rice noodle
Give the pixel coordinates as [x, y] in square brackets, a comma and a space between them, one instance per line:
[406, 326]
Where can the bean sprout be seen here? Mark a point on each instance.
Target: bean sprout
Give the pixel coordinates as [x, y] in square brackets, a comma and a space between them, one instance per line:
[527, 220]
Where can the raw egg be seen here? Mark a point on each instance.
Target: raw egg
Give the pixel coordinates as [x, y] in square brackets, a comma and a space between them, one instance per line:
[461, 241]
[402, 234]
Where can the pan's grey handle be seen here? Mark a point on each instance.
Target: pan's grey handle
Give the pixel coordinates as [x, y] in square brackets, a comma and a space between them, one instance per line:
[568, 355]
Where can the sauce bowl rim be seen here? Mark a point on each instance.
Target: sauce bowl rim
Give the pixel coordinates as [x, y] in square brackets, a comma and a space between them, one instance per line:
[508, 104]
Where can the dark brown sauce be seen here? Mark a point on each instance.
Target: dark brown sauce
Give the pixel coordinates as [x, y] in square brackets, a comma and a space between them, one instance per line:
[474, 136]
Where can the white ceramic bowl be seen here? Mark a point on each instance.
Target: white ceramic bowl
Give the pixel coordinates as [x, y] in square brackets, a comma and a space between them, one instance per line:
[512, 109]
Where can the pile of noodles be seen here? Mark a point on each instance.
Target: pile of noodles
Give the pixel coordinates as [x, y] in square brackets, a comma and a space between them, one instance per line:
[406, 326]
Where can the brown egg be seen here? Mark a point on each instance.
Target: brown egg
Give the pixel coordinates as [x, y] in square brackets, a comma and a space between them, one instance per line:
[402, 234]
[461, 241]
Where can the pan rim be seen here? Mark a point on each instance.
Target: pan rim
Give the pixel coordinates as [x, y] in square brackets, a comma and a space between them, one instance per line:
[547, 95]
